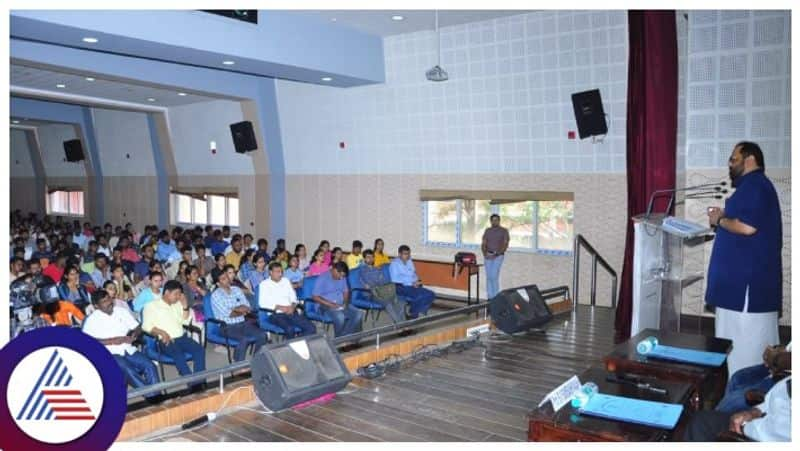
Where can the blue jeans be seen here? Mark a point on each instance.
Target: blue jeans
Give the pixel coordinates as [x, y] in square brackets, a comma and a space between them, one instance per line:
[345, 321]
[754, 377]
[184, 344]
[139, 370]
[289, 322]
[492, 266]
[418, 298]
[245, 333]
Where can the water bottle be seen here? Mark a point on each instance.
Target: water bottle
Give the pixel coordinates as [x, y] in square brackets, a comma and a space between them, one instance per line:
[582, 396]
[647, 345]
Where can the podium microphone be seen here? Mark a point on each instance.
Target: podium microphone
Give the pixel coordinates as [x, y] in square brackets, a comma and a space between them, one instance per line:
[716, 186]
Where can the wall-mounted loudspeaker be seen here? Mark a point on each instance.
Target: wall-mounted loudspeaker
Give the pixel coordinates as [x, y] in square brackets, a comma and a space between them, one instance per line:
[589, 113]
[297, 370]
[519, 309]
[73, 150]
[244, 138]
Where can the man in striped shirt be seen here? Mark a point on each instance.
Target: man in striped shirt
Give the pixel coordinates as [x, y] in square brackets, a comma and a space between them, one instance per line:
[230, 305]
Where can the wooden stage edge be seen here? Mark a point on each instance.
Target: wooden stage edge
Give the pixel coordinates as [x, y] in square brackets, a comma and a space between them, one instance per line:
[177, 411]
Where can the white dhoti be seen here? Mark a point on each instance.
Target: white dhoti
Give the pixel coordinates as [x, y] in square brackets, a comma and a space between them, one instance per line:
[750, 333]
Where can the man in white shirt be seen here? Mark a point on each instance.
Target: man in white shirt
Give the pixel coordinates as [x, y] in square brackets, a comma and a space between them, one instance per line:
[770, 421]
[277, 294]
[117, 330]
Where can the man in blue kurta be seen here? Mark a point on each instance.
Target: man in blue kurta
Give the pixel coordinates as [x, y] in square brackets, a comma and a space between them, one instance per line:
[745, 276]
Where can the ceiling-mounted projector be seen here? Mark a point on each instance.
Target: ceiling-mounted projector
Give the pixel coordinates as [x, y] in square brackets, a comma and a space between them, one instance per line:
[436, 73]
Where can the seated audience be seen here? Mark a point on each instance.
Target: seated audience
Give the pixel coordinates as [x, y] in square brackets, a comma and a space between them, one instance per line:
[246, 266]
[142, 267]
[333, 296]
[41, 250]
[338, 255]
[234, 257]
[101, 271]
[150, 293]
[71, 290]
[294, 273]
[318, 265]
[203, 262]
[354, 258]
[279, 248]
[325, 246]
[230, 305]
[34, 267]
[263, 247]
[17, 268]
[302, 257]
[166, 248]
[382, 290]
[277, 294]
[56, 268]
[116, 259]
[102, 245]
[380, 257]
[164, 318]
[117, 329]
[770, 421]
[777, 361]
[124, 288]
[56, 311]
[259, 274]
[409, 287]
[248, 244]
[195, 292]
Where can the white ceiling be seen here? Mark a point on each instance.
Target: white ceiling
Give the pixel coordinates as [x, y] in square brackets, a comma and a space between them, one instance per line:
[120, 91]
[380, 23]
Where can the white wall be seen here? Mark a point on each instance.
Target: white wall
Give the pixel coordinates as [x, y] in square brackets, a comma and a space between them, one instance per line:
[506, 107]
[20, 164]
[51, 140]
[194, 126]
[123, 142]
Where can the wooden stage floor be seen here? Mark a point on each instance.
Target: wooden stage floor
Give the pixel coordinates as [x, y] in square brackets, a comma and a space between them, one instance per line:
[459, 397]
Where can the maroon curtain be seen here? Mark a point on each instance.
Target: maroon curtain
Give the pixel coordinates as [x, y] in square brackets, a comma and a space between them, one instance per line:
[652, 129]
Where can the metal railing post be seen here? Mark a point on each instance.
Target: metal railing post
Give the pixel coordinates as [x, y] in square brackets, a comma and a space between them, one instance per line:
[576, 263]
[594, 280]
[614, 292]
[579, 242]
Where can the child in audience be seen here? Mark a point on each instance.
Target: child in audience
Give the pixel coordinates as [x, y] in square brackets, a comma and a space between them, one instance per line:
[259, 274]
[338, 256]
[318, 266]
[294, 273]
[325, 247]
[355, 258]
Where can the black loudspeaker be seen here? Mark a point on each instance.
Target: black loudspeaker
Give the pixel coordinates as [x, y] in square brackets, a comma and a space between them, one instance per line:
[519, 309]
[73, 150]
[244, 138]
[589, 113]
[297, 370]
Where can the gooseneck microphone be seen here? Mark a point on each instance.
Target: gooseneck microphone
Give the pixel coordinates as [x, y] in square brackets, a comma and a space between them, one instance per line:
[705, 188]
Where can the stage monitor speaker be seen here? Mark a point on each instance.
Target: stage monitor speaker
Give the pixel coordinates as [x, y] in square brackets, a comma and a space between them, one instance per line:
[589, 113]
[519, 309]
[73, 150]
[297, 370]
[244, 138]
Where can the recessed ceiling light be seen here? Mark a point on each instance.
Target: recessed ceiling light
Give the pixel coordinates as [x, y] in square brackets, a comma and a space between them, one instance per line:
[181, 94]
[327, 78]
[90, 40]
[333, 19]
[89, 79]
[398, 18]
[150, 99]
[229, 63]
[60, 85]
[15, 122]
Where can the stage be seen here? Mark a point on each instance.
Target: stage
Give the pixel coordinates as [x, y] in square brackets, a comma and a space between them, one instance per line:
[462, 396]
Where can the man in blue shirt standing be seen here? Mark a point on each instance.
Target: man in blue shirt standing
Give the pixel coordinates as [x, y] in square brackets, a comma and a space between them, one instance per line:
[745, 274]
[409, 287]
[333, 296]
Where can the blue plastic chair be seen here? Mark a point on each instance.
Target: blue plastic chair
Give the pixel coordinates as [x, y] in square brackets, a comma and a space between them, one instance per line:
[313, 312]
[362, 297]
[152, 348]
[214, 328]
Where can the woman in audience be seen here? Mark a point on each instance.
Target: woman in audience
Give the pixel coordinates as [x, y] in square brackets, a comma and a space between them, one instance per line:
[279, 248]
[219, 260]
[380, 257]
[302, 257]
[180, 275]
[111, 289]
[246, 265]
[318, 266]
[154, 265]
[325, 246]
[259, 274]
[70, 289]
[283, 259]
[124, 288]
[294, 273]
[263, 247]
[194, 291]
[338, 256]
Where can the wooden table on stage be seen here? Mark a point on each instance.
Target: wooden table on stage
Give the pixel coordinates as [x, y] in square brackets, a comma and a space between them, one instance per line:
[567, 425]
[434, 273]
[708, 382]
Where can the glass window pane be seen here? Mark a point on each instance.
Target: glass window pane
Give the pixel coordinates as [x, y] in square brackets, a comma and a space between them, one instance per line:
[518, 219]
[474, 220]
[216, 206]
[441, 221]
[555, 227]
[200, 211]
[233, 212]
[76, 203]
[184, 205]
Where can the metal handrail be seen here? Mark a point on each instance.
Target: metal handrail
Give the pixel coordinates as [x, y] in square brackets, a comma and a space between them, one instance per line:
[580, 241]
[377, 332]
